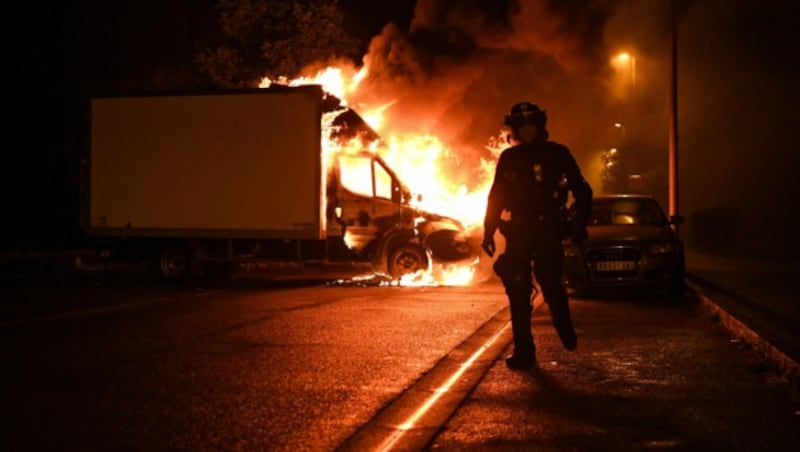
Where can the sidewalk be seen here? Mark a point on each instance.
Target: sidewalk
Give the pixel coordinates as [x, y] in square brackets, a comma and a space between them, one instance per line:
[756, 299]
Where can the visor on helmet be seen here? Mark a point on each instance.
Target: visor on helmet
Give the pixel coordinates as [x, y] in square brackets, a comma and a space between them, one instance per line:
[525, 113]
[526, 118]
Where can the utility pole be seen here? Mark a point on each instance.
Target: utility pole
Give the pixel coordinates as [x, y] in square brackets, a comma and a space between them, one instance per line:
[673, 118]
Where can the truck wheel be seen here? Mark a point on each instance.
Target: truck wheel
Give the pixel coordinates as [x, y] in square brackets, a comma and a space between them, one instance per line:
[173, 262]
[407, 259]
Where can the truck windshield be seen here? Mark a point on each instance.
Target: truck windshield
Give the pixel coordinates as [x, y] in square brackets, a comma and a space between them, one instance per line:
[357, 172]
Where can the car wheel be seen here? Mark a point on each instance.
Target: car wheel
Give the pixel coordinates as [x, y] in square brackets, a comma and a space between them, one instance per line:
[173, 262]
[407, 259]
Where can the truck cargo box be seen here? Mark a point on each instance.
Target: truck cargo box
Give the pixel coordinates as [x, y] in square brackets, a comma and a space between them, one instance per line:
[232, 164]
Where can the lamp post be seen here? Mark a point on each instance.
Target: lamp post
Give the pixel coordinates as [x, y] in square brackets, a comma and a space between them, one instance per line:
[625, 58]
[625, 63]
[673, 118]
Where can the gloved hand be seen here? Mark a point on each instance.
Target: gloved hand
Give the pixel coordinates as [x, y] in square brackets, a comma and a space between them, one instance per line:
[579, 234]
[488, 244]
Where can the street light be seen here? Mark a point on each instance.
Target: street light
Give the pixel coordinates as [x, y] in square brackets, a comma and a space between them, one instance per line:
[622, 138]
[623, 59]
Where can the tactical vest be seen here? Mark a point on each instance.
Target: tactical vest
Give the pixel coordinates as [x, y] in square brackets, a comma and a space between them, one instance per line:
[537, 178]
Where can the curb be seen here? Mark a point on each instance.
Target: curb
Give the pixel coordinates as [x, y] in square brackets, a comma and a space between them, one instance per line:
[788, 367]
[417, 414]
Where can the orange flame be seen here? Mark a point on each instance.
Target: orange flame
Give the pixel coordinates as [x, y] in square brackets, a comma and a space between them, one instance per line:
[442, 275]
[422, 161]
[334, 80]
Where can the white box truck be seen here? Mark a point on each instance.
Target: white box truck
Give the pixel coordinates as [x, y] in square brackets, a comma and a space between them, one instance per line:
[185, 179]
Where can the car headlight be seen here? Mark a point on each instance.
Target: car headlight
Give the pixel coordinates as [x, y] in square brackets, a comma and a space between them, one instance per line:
[663, 248]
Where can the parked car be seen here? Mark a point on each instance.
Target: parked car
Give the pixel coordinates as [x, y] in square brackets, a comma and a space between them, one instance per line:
[631, 243]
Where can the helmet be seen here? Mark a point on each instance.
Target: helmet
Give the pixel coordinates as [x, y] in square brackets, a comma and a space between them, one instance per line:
[526, 113]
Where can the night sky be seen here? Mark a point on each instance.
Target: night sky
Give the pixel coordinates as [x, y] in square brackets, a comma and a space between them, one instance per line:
[738, 93]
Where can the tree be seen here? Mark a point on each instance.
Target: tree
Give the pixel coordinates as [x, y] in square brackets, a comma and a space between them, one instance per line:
[273, 38]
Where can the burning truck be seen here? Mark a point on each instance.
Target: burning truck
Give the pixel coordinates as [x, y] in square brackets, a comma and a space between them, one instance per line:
[284, 174]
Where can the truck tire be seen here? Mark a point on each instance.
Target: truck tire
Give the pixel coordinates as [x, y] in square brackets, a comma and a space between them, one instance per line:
[174, 262]
[405, 259]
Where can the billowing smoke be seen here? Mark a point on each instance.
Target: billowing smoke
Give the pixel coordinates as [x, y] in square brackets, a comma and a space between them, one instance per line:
[569, 32]
[461, 65]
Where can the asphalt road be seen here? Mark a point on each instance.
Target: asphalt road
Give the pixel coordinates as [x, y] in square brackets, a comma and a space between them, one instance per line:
[138, 365]
[244, 368]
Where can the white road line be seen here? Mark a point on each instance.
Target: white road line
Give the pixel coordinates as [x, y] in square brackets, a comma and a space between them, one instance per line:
[412, 420]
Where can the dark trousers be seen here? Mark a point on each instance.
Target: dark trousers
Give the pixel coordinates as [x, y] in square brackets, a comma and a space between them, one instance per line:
[536, 247]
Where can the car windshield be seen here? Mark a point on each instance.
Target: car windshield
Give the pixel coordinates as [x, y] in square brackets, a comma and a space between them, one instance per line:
[626, 211]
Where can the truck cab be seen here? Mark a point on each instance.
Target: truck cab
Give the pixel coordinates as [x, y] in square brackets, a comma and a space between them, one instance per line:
[370, 210]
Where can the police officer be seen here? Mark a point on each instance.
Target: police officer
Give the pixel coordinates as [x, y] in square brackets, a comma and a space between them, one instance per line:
[532, 181]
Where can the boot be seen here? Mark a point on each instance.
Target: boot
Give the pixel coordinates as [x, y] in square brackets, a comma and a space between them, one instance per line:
[524, 350]
[520, 362]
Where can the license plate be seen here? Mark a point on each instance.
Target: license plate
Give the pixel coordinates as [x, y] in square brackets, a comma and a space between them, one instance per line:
[615, 266]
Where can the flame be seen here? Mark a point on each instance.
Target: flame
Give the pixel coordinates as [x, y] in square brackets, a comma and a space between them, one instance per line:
[421, 161]
[441, 275]
[375, 116]
[348, 240]
[337, 81]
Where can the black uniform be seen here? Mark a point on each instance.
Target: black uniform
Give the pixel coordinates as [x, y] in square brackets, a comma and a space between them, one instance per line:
[532, 181]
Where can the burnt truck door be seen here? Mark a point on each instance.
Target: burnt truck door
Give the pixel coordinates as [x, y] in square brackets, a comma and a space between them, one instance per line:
[369, 198]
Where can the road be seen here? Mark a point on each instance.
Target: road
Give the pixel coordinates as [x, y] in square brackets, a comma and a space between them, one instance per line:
[141, 365]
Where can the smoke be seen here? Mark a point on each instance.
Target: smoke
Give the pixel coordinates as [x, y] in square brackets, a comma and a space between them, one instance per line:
[568, 31]
[461, 65]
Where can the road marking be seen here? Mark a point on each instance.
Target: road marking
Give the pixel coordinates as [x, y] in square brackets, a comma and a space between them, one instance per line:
[412, 420]
[413, 410]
